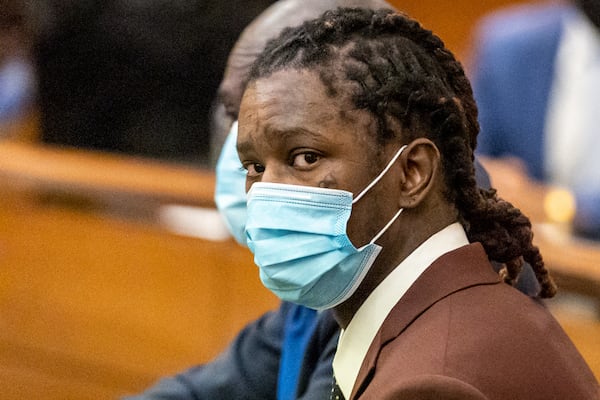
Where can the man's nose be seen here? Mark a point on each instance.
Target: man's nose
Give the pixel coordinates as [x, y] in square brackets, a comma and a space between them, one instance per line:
[274, 173]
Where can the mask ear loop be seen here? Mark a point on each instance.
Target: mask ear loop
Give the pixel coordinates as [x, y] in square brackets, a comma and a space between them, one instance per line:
[385, 228]
[378, 178]
[373, 183]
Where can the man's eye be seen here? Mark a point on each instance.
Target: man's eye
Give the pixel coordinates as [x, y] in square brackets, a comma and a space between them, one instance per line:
[255, 169]
[305, 159]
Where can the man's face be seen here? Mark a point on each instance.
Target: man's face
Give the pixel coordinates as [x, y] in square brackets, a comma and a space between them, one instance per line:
[292, 132]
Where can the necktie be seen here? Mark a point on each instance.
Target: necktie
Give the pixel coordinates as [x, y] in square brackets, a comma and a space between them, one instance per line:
[299, 326]
[336, 392]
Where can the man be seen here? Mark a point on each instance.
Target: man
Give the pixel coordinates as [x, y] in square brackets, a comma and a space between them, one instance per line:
[536, 79]
[286, 354]
[357, 131]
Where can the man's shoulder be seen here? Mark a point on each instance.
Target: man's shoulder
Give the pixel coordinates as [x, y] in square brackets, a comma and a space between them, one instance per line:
[486, 335]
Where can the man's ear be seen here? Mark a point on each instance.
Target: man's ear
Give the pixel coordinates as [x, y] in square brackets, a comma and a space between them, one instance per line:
[420, 163]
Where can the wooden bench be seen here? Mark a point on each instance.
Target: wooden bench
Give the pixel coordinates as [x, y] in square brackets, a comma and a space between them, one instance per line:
[96, 301]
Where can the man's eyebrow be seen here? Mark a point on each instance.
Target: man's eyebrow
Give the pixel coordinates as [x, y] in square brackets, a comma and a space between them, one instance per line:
[279, 135]
[244, 146]
[290, 133]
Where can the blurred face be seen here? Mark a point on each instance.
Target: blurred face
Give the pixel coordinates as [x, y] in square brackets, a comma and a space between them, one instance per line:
[292, 132]
[229, 95]
[243, 54]
[231, 88]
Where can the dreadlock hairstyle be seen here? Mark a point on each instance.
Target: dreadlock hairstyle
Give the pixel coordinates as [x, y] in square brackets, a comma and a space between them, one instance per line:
[413, 86]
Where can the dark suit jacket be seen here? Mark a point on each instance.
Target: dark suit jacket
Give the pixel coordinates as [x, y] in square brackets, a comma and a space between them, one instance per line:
[460, 333]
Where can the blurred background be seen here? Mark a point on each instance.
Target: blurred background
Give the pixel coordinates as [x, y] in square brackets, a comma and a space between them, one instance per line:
[115, 268]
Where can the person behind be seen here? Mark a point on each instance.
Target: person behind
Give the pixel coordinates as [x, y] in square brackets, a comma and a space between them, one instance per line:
[536, 75]
[357, 131]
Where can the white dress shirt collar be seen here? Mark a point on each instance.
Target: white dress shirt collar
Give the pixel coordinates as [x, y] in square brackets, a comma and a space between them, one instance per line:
[357, 337]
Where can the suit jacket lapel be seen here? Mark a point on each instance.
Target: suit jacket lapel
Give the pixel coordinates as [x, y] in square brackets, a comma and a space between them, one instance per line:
[454, 271]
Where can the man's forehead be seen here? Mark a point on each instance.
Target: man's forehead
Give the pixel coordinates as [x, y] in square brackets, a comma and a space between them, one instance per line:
[288, 103]
[293, 94]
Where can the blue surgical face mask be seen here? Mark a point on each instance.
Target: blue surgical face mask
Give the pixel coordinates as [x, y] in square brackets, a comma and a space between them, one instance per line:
[299, 240]
[230, 191]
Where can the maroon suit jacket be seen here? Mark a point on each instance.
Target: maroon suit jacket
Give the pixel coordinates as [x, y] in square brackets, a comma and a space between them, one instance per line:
[460, 333]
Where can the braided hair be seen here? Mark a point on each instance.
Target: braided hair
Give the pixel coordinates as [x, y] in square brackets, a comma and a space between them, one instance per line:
[413, 86]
